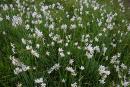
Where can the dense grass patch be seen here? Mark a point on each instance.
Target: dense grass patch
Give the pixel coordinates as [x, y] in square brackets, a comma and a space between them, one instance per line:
[64, 43]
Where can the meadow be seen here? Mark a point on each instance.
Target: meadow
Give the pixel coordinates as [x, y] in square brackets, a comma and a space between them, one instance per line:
[64, 43]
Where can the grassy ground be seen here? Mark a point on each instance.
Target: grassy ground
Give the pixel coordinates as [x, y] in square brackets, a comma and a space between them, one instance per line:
[66, 44]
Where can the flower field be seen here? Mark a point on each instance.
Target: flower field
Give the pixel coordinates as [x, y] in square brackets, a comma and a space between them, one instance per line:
[64, 43]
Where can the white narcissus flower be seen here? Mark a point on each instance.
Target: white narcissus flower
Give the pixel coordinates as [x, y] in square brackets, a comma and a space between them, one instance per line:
[82, 67]
[128, 27]
[60, 50]
[126, 84]
[43, 85]
[51, 26]
[71, 61]
[89, 56]
[19, 85]
[4, 33]
[123, 66]
[68, 52]
[73, 26]
[27, 26]
[71, 70]
[107, 72]
[47, 53]
[39, 80]
[17, 70]
[55, 67]
[63, 80]
[37, 46]
[1, 19]
[96, 39]
[97, 49]
[102, 81]
[23, 41]
[74, 85]
[129, 71]
[33, 52]
[64, 26]
[28, 47]
[104, 50]
[62, 54]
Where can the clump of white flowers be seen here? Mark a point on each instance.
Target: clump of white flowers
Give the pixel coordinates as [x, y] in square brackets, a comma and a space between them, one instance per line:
[20, 67]
[16, 20]
[103, 73]
[90, 51]
[41, 82]
[70, 34]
